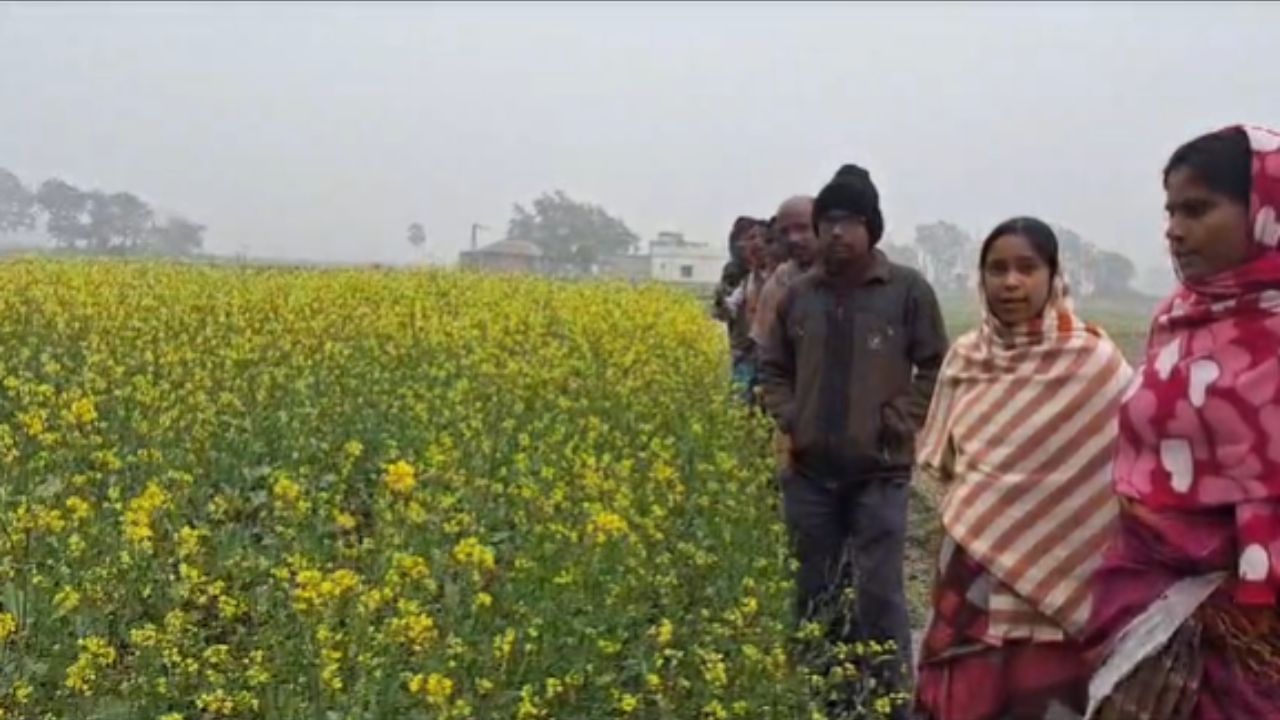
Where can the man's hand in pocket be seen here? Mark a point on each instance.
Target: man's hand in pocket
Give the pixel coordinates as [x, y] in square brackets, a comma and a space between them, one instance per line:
[782, 449]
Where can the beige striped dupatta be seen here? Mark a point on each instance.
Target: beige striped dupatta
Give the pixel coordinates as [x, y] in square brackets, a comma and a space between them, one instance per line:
[1021, 430]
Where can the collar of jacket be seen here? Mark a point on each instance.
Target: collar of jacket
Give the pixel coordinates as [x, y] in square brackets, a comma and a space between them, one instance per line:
[879, 271]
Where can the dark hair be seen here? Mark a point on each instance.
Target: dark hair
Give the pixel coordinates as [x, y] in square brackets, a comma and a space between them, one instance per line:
[1220, 160]
[1041, 238]
[740, 227]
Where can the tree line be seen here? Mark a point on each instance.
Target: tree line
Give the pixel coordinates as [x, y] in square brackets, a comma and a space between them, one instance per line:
[570, 233]
[578, 234]
[948, 256]
[93, 221]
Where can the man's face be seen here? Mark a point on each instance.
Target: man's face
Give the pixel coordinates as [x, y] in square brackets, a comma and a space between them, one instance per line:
[844, 241]
[775, 251]
[753, 247]
[795, 228]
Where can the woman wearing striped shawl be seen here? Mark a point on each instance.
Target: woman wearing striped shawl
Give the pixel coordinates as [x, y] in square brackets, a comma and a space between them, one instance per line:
[1020, 433]
[1186, 608]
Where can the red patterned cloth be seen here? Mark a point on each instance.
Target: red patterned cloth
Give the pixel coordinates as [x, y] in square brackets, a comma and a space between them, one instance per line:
[964, 677]
[1200, 426]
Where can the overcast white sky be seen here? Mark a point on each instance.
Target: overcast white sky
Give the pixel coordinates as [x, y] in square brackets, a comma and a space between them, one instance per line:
[322, 130]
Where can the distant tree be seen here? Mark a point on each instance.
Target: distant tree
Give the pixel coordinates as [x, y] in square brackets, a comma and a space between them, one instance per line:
[119, 222]
[947, 254]
[176, 236]
[66, 210]
[908, 255]
[571, 233]
[1077, 258]
[417, 236]
[1113, 273]
[17, 204]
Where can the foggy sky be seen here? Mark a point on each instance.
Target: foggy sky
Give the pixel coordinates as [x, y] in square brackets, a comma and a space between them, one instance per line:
[322, 130]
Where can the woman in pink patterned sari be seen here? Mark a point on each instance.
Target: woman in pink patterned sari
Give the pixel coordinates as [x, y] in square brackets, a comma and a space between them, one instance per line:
[1185, 621]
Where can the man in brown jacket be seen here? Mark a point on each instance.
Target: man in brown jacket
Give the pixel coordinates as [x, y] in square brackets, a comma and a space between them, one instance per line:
[794, 228]
[848, 367]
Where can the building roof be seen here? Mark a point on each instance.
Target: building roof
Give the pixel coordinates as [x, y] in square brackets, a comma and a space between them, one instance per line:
[510, 247]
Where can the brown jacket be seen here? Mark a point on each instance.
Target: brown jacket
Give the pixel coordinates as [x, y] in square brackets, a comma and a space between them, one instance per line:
[848, 372]
[767, 307]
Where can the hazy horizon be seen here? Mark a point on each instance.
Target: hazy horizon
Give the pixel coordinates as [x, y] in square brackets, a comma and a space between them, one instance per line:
[321, 131]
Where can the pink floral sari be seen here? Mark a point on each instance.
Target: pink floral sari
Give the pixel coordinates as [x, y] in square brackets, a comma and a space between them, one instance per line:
[1198, 469]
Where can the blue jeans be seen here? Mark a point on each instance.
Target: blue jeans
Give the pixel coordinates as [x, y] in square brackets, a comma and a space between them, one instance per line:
[744, 380]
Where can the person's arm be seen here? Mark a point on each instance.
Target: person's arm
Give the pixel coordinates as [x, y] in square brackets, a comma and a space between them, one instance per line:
[729, 276]
[736, 298]
[719, 309]
[766, 309]
[926, 349]
[778, 368]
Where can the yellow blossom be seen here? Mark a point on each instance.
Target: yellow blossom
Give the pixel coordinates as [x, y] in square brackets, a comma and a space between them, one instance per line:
[83, 411]
[344, 520]
[8, 626]
[286, 492]
[470, 552]
[79, 509]
[606, 525]
[400, 478]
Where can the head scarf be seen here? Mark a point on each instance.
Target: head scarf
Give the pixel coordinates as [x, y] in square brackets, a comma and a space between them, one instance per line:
[1022, 430]
[1201, 426]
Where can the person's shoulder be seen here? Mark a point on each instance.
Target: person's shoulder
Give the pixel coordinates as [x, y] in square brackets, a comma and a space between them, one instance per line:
[805, 281]
[915, 282]
[1097, 339]
[802, 285]
[732, 273]
[906, 274]
[969, 338]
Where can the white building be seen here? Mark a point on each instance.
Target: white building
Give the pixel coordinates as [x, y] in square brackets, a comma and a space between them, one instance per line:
[673, 259]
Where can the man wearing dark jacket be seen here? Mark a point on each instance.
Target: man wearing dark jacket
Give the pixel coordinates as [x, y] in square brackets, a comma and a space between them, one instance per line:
[848, 368]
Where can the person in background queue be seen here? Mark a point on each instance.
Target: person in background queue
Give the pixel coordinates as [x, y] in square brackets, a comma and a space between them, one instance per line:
[762, 253]
[732, 272]
[765, 260]
[776, 253]
[731, 277]
[798, 244]
[1185, 619]
[739, 301]
[1020, 434]
[848, 368]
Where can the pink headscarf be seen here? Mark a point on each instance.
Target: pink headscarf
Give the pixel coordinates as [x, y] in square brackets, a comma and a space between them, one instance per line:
[1200, 426]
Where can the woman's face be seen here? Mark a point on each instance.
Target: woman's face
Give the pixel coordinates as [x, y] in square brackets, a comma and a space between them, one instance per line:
[753, 247]
[1207, 232]
[1015, 280]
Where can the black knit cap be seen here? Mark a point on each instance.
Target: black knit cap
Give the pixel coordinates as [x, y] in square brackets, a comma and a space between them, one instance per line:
[852, 191]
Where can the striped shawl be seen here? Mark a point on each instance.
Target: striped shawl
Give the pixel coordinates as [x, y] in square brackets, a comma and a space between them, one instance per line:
[1021, 431]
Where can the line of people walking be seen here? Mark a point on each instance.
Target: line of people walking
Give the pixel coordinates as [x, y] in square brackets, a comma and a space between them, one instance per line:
[1111, 535]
